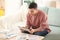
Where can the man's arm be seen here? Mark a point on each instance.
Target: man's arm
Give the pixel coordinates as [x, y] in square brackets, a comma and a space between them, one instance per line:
[28, 22]
[43, 24]
[27, 27]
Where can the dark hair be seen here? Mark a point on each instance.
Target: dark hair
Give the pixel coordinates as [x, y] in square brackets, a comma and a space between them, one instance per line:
[32, 5]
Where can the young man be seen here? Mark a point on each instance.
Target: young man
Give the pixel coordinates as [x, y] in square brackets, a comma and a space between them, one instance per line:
[36, 21]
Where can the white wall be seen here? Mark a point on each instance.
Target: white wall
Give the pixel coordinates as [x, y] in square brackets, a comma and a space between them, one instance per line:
[12, 6]
[12, 15]
[42, 3]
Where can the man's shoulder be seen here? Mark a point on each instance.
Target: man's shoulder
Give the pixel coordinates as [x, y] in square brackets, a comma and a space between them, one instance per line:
[41, 12]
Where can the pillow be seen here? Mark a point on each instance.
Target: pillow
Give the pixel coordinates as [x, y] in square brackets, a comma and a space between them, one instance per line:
[53, 16]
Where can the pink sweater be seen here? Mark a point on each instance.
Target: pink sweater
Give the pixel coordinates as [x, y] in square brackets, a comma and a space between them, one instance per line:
[38, 21]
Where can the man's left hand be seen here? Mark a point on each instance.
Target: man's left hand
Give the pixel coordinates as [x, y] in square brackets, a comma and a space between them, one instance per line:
[33, 30]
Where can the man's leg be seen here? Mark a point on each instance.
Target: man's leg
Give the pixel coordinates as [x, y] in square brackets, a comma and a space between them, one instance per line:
[43, 33]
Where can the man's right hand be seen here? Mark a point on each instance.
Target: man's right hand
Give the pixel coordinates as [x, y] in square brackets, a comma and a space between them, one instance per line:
[21, 30]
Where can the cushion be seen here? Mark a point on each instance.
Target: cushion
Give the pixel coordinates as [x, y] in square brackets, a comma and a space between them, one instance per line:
[54, 34]
[54, 30]
[53, 16]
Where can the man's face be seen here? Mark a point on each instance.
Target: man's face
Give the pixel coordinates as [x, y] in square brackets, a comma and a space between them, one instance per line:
[32, 11]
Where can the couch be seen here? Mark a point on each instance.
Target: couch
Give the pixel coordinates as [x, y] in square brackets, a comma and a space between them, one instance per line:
[54, 22]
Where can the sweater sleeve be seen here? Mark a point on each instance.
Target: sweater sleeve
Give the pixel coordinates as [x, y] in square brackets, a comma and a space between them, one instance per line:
[28, 22]
[44, 24]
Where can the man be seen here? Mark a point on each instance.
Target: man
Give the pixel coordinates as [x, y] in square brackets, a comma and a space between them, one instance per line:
[36, 21]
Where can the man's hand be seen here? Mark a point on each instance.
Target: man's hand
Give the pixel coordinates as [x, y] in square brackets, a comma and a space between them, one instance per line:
[32, 31]
[29, 30]
[21, 30]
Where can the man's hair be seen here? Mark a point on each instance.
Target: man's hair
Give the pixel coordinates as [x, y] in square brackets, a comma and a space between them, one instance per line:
[32, 5]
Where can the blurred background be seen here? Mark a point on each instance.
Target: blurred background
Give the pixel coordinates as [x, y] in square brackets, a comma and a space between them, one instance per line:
[13, 14]
[16, 4]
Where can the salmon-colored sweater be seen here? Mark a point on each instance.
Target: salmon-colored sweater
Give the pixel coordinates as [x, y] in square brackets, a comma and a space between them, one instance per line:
[38, 21]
